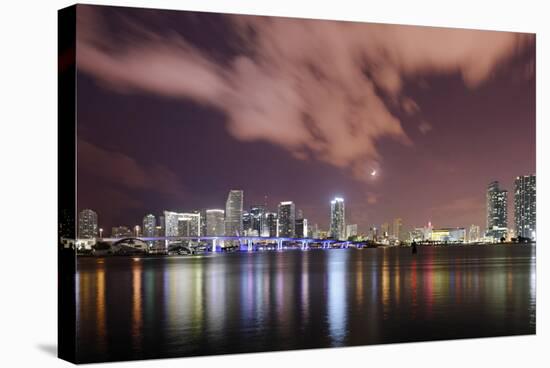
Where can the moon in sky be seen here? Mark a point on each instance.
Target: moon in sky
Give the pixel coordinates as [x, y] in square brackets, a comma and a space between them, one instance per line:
[373, 173]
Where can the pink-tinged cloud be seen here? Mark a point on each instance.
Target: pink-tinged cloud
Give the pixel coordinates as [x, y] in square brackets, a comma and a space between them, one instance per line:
[125, 171]
[310, 86]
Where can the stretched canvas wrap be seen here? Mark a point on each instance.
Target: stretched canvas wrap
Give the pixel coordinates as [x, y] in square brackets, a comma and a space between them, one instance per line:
[241, 183]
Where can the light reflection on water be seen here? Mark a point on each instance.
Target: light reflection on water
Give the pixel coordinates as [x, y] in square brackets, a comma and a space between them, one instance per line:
[161, 307]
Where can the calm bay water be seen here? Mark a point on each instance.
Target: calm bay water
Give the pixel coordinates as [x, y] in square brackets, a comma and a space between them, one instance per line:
[245, 302]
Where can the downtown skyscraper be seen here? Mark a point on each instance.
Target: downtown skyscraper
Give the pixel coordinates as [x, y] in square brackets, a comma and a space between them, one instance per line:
[87, 224]
[525, 206]
[337, 219]
[286, 220]
[149, 226]
[234, 213]
[215, 222]
[497, 211]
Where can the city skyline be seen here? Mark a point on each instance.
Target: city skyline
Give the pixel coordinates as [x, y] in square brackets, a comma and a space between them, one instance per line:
[255, 220]
[143, 145]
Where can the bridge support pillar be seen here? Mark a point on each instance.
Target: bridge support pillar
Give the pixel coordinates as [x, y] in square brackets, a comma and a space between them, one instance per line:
[279, 244]
[304, 244]
[250, 244]
[216, 246]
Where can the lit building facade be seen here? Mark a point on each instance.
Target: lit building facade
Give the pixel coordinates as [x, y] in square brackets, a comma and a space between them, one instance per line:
[525, 206]
[234, 213]
[337, 219]
[398, 229]
[87, 224]
[215, 222]
[300, 228]
[474, 234]
[121, 232]
[450, 235]
[271, 219]
[149, 226]
[182, 224]
[351, 230]
[259, 220]
[497, 211]
[286, 219]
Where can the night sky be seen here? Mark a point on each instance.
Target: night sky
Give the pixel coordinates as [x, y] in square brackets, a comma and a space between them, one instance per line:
[176, 108]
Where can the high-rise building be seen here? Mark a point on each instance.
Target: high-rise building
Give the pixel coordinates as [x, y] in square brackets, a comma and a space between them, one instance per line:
[351, 230]
[497, 211]
[258, 219]
[215, 222]
[272, 224]
[202, 213]
[337, 219]
[525, 206]
[398, 229]
[474, 234]
[149, 224]
[385, 230]
[286, 219]
[234, 213]
[313, 232]
[182, 224]
[162, 224]
[300, 228]
[87, 224]
[247, 224]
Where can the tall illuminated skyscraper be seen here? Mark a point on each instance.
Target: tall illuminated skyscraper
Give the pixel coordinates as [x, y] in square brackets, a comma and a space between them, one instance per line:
[497, 211]
[271, 224]
[337, 219]
[215, 222]
[525, 206]
[286, 219]
[234, 213]
[473, 235]
[87, 224]
[149, 225]
[398, 229]
[258, 219]
[301, 228]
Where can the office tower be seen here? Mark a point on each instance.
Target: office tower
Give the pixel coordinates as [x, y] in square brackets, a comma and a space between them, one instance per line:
[525, 206]
[87, 224]
[497, 211]
[473, 234]
[286, 219]
[162, 224]
[149, 224]
[337, 219]
[314, 232]
[182, 224]
[351, 230]
[121, 232]
[171, 223]
[247, 224]
[272, 224]
[398, 229]
[258, 219]
[234, 213]
[202, 213]
[137, 231]
[215, 222]
[385, 230]
[300, 228]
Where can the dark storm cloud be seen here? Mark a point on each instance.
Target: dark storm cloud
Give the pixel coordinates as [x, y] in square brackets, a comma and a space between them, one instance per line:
[318, 89]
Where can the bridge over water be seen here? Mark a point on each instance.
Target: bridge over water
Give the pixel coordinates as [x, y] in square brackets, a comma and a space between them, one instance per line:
[246, 243]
